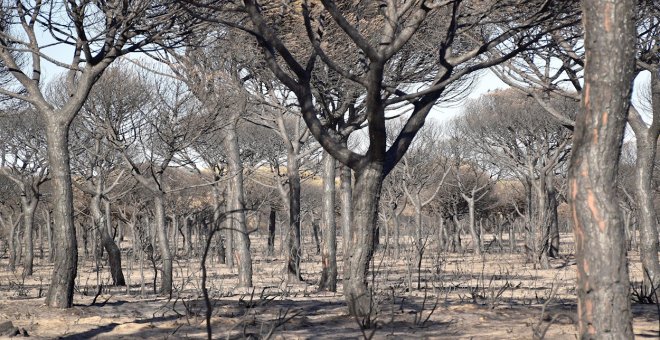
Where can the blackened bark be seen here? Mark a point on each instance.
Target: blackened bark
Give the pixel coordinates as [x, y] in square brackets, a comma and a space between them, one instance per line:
[602, 273]
[366, 195]
[272, 220]
[163, 245]
[65, 247]
[553, 220]
[646, 142]
[217, 222]
[646, 214]
[188, 237]
[328, 279]
[29, 206]
[114, 254]
[317, 238]
[295, 252]
[236, 211]
[49, 233]
[346, 193]
[540, 222]
[476, 239]
[14, 244]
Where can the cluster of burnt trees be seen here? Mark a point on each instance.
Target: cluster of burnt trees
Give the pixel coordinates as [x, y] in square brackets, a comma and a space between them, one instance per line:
[211, 68]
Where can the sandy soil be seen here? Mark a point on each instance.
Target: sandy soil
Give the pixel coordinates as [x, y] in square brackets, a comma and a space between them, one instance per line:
[462, 296]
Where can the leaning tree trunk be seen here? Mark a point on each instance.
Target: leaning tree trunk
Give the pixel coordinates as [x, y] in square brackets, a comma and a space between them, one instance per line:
[366, 195]
[602, 273]
[236, 211]
[29, 207]
[329, 246]
[163, 245]
[295, 252]
[114, 254]
[65, 247]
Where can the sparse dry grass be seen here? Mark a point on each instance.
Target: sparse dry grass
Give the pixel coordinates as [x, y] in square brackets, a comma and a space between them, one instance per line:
[497, 296]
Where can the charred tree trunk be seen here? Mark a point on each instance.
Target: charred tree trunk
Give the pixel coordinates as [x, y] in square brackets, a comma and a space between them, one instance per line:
[114, 253]
[346, 196]
[553, 220]
[272, 220]
[361, 240]
[49, 234]
[540, 223]
[60, 291]
[476, 238]
[163, 245]
[217, 222]
[646, 141]
[14, 245]
[295, 252]
[317, 238]
[29, 207]
[329, 246]
[188, 238]
[236, 211]
[646, 214]
[602, 273]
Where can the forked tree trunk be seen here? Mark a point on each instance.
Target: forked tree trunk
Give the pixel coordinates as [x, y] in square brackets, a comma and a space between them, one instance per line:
[329, 245]
[60, 291]
[603, 286]
[114, 254]
[366, 195]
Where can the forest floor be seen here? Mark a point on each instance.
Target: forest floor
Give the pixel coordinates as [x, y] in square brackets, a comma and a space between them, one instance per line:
[462, 296]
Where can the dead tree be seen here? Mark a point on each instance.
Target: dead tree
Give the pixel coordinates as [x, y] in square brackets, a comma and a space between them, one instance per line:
[603, 286]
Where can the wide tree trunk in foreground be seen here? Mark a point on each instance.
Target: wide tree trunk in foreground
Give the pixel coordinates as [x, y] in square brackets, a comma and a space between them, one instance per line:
[602, 273]
[65, 247]
[366, 195]
[329, 245]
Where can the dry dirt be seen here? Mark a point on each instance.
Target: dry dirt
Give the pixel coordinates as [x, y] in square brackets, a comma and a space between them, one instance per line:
[462, 296]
